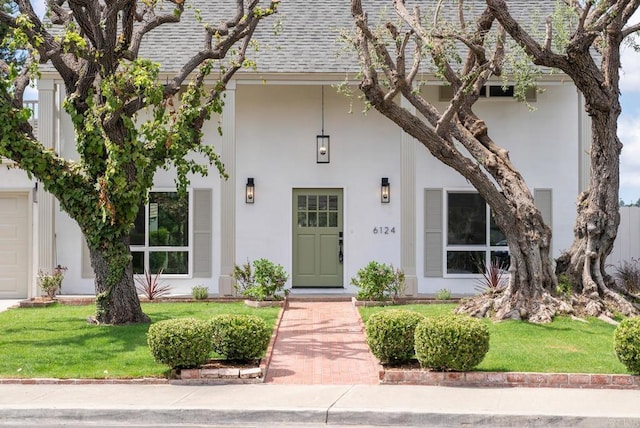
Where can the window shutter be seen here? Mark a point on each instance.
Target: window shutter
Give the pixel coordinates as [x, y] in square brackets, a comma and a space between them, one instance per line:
[202, 233]
[531, 95]
[87, 270]
[433, 233]
[445, 93]
[544, 201]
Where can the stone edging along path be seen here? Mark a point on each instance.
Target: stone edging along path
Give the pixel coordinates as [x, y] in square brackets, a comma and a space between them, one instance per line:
[389, 376]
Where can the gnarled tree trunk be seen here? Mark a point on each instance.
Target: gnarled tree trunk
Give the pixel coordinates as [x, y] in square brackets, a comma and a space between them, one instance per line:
[531, 288]
[117, 301]
[597, 224]
[529, 293]
[601, 27]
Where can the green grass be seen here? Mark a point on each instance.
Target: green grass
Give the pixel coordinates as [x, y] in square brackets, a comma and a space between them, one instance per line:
[563, 346]
[58, 342]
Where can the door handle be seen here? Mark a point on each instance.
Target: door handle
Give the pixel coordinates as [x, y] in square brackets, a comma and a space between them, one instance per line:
[340, 247]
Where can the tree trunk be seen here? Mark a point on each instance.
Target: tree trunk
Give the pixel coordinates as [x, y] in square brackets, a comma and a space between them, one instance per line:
[117, 300]
[597, 226]
[529, 293]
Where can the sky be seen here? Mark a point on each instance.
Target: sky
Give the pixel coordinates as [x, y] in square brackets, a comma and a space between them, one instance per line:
[628, 125]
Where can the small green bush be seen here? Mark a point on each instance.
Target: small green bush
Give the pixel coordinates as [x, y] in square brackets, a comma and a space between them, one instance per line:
[390, 335]
[378, 281]
[200, 292]
[626, 342]
[443, 294]
[181, 342]
[264, 281]
[451, 342]
[240, 337]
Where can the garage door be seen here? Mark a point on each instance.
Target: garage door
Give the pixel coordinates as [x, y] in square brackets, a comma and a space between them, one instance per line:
[14, 246]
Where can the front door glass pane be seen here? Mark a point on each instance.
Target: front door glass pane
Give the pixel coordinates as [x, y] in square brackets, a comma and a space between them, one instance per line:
[333, 203]
[313, 202]
[302, 219]
[322, 203]
[302, 202]
[322, 219]
[333, 219]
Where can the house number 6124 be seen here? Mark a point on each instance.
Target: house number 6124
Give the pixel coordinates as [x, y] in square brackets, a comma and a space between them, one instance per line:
[383, 230]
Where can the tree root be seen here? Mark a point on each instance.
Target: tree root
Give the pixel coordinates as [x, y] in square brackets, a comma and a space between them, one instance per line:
[593, 305]
[503, 306]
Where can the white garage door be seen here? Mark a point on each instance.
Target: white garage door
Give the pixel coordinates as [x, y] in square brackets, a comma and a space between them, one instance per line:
[14, 245]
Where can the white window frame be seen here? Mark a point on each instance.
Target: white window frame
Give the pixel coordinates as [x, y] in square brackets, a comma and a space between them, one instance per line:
[146, 249]
[487, 248]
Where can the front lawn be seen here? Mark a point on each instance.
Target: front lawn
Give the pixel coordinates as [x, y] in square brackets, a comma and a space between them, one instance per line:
[563, 346]
[58, 342]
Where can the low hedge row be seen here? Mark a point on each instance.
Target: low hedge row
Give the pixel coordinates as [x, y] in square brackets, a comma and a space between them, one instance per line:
[447, 343]
[188, 342]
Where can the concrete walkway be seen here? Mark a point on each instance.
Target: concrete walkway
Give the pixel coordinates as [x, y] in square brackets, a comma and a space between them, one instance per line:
[321, 343]
[317, 405]
[8, 303]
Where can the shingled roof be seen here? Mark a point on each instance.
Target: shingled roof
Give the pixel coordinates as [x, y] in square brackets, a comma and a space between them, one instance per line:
[309, 38]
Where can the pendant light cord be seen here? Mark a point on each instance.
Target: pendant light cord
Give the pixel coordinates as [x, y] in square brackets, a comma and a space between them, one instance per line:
[322, 102]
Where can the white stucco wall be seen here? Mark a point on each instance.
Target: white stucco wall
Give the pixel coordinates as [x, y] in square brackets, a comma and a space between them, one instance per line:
[276, 142]
[276, 127]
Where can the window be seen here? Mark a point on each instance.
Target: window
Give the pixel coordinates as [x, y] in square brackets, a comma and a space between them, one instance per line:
[445, 93]
[473, 238]
[160, 237]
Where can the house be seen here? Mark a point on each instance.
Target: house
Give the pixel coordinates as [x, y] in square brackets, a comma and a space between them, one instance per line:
[314, 184]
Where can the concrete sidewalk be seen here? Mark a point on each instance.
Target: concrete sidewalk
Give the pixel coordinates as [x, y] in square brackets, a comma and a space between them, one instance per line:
[316, 405]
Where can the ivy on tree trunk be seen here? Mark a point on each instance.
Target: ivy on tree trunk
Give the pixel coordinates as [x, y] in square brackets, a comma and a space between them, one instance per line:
[95, 50]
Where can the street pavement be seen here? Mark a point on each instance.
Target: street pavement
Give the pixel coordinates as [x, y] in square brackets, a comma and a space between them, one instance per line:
[267, 405]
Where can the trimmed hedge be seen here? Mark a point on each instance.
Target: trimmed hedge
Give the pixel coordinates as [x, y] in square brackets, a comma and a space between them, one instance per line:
[451, 343]
[390, 335]
[181, 342]
[240, 337]
[626, 342]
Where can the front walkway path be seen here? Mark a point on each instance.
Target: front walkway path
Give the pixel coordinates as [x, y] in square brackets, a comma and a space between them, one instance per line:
[321, 343]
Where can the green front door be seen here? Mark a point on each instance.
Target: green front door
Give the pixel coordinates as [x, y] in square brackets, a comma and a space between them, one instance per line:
[317, 238]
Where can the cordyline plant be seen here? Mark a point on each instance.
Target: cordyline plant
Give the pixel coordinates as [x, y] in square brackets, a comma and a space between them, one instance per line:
[94, 46]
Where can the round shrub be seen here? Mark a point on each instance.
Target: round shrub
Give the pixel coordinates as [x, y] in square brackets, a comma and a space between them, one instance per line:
[240, 337]
[452, 342]
[390, 335]
[626, 342]
[180, 342]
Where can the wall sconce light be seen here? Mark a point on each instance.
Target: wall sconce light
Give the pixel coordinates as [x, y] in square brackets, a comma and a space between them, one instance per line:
[322, 149]
[322, 141]
[385, 191]
[249, 195]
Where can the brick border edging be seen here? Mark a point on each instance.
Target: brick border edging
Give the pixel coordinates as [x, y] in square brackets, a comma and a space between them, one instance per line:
[266, 361]
[509, 379]
[56, 381]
